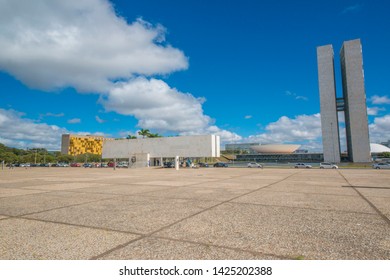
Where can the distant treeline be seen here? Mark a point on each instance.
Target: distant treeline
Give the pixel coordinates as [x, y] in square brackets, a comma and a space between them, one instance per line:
[41, 155]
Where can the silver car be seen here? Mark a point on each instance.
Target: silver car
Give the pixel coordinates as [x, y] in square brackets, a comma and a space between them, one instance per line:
[328, 165]
[381, 165]
[254, 165]
[302, 165]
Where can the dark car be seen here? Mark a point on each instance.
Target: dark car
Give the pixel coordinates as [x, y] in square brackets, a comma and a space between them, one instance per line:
[87, 165]
[169, 164]
[202, 164]
[220, 164]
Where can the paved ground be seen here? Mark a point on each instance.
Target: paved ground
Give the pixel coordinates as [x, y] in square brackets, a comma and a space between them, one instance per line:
[231, 213]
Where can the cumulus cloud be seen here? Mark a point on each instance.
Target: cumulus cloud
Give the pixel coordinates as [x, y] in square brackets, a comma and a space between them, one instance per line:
[87, 46]
[248, 117]
[156, 105]
[380, 129]
[82, 44]
[17, 131]
[373, 111]
[300, 128]
[303, 129]
[378, 100]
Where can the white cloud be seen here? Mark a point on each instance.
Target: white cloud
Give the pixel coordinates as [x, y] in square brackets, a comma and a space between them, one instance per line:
[341, 117]
[16, 131]
[303, 129]
[352, 8]
[300, 97]
[49, 114]
[248, 117]
[85, 45]
[99, 120]
[377, 100]
[296, 96]
[287, 130]
[373, 111]
[380, 129]
[82, 44]
[226, 136]
[157, 106]
[75, 120]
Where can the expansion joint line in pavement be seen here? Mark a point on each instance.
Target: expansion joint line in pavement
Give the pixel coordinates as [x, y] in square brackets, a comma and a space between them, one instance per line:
[191, 216]
[383, 216]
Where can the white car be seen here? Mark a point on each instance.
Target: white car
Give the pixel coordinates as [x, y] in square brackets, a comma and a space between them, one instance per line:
[328, 165]
[302, 165]
[255, 165]
[381, 165]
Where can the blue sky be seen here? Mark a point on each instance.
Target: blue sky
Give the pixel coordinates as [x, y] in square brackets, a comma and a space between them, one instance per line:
[245, 70]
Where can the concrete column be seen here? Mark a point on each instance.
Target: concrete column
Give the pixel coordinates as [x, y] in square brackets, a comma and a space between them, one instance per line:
[161, 161]
[329, 118]
[356, 121]
[114, 163]
[148, 160]
[177, 162]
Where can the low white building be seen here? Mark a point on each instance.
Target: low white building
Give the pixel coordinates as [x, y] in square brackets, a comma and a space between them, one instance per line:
[140, 152]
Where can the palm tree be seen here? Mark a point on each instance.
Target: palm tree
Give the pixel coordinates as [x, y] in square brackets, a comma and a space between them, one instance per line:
[144, 132]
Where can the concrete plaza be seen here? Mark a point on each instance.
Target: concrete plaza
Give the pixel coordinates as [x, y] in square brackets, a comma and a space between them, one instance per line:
[210, 213]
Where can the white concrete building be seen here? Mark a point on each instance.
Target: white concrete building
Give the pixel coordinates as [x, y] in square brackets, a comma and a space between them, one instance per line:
[140, 152]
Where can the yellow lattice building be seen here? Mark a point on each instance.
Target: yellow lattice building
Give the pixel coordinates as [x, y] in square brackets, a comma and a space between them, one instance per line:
[81, 144]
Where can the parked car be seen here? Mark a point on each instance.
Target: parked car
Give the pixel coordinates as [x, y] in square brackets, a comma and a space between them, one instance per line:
[104, 165]
[381, 165]
[328, 165]
[122, 165]
[254, 165]
[169, 164]
[202, 164]
[302, 165]
[87, 165]
[220, 164]
[75, 164]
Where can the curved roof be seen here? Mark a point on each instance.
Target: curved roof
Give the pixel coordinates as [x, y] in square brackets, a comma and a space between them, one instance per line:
[378, 148]
[276, 148]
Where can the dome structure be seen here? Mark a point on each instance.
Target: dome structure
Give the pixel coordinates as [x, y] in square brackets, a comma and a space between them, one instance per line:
[378, 148]
[276, 148]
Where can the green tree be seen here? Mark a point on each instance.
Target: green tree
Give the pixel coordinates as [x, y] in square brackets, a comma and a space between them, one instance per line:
[386, 154]
[49, 158]
[154, 135]
[131, 137]
[144, 132]
[64, 158]
[8, 157]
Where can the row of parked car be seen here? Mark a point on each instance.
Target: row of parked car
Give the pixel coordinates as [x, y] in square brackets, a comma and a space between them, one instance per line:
[323, 165]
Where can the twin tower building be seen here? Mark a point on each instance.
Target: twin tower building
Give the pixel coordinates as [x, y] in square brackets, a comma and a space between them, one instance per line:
[352, 103]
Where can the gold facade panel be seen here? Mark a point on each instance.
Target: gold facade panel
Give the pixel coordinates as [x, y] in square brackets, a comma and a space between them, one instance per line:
[83, 145]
